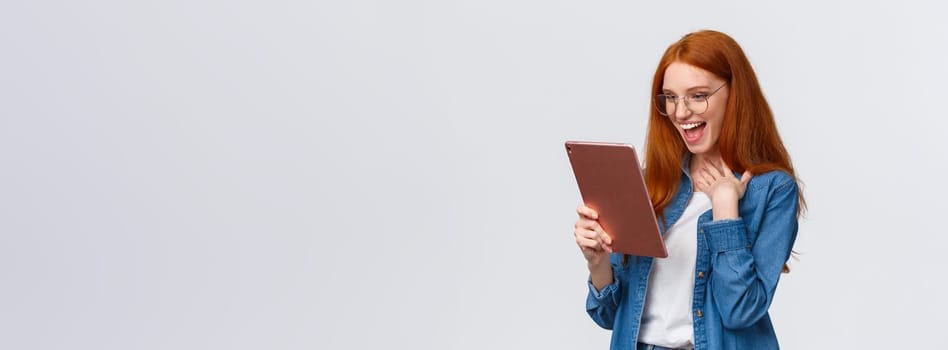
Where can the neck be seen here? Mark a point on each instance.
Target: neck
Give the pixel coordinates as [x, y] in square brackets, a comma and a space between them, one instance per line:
[714, 157]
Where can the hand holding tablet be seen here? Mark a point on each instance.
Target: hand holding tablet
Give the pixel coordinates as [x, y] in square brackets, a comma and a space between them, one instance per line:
[611, 183]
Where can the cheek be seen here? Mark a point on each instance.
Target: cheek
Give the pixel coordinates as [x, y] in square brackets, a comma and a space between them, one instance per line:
[717, 119]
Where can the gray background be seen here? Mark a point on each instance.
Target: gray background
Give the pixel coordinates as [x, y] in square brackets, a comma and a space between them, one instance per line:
[373, 174]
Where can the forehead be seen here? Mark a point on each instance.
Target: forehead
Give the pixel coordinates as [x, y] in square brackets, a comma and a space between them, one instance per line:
[682, 76]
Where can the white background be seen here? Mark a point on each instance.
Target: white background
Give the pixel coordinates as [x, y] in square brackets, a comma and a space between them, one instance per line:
[382, 174]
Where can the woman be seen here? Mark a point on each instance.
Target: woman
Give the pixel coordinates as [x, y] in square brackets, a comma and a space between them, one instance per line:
[722, 184]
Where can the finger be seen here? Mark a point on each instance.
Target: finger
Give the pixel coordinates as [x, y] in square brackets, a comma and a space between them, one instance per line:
[605, 246]
[717, 169]
[589, 252]
[588, 212]
[593, 240]
[727, 170]
[708, 177]
[588, 243]
[600, 235]
[586, 234]
[604, 237]
[746, 177]
[587, 238]
[587, 224]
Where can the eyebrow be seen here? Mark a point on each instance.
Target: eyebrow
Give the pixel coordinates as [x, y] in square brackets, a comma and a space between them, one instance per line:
[691, 89]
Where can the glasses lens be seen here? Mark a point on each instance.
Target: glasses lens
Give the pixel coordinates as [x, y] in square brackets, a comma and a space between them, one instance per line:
[698, 105]
[664, 105]
[695, 104]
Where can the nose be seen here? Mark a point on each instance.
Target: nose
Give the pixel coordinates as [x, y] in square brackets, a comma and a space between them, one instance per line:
[681, 111]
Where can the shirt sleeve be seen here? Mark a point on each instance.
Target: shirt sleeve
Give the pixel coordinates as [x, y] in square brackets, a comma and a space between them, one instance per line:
[744, 273]
[602, 305]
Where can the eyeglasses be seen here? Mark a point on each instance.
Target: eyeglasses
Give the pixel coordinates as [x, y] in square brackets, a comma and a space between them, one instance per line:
[697, 103]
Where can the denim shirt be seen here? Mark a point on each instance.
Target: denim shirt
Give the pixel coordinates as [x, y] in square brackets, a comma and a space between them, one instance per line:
[736, 271]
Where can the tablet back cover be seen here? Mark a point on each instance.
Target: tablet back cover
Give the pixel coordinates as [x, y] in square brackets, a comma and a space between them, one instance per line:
[611, 182]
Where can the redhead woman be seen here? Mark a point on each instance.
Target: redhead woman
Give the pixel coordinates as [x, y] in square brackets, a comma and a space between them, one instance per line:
[728, 201]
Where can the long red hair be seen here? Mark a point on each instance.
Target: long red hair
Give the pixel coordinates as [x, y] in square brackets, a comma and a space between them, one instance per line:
[748, 139]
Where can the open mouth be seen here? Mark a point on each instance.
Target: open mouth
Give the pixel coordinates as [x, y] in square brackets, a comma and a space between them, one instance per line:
[693, 131]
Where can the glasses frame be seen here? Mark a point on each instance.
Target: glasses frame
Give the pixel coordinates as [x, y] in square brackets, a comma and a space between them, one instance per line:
[662, 99]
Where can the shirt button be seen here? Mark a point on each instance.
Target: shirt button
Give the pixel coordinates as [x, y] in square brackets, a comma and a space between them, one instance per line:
[699, 313]
[700, 274]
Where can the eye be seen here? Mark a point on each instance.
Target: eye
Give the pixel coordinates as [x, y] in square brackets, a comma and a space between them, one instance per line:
[699, 96]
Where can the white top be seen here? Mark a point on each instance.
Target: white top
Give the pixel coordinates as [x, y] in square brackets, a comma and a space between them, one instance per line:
[666, 319]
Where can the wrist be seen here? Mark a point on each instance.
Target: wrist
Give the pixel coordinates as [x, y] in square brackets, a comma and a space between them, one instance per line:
[599, 265]
[601, 274]
[724, 207]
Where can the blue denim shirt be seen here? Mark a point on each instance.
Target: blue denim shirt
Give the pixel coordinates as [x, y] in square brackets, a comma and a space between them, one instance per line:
[736, 272]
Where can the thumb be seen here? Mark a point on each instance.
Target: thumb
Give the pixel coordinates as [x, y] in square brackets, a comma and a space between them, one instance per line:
[746, 177]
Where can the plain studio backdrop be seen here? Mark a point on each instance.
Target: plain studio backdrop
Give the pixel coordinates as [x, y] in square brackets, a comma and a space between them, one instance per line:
[391, 174]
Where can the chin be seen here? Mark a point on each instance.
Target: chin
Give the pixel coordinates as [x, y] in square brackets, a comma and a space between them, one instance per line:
[698, 149]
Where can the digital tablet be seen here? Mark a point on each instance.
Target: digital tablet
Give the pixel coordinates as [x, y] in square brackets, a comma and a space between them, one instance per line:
[611, 182]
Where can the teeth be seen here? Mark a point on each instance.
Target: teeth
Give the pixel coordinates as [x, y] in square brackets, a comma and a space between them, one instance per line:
[691, 126]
